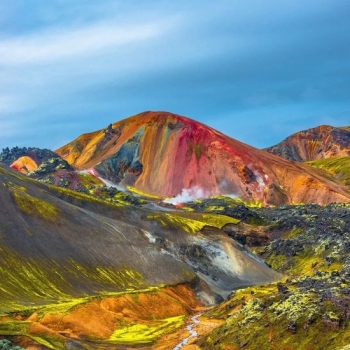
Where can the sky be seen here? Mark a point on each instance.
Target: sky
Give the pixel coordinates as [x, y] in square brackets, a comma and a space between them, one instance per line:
[257, 71]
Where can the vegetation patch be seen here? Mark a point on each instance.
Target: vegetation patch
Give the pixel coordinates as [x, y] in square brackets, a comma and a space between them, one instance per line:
[34, 206]
[192, 222]
[143, 333]
[338, 168]
[142, 193]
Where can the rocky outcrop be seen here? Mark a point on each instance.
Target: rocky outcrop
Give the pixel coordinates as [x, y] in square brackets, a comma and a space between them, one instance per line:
[38, 155]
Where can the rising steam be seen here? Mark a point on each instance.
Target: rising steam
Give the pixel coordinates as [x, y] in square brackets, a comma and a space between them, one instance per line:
[188, 195]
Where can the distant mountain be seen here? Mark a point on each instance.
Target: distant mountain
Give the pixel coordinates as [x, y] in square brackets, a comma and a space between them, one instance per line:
[317, 143]
[167, 154]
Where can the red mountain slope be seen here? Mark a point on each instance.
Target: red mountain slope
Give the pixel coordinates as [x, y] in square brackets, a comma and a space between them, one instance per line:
[164, 154]
[317, 143]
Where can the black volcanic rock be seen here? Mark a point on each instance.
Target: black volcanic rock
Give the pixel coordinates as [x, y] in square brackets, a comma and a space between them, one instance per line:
[8, 156]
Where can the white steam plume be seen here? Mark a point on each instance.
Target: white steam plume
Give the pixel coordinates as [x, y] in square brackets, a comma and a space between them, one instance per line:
[188, 195]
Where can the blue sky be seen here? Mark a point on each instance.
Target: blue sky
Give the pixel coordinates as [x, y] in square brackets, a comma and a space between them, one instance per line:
[257, 71]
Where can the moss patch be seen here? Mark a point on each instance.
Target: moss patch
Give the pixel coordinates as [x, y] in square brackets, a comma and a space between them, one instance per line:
[339, 168]
[143, 333]
[34, 206]
[192, 222]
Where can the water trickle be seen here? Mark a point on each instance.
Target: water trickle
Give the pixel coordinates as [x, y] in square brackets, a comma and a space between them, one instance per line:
[192, 332]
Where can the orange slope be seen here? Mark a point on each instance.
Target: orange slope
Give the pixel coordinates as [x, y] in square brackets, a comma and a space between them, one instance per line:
[163, 153]
[24, 165]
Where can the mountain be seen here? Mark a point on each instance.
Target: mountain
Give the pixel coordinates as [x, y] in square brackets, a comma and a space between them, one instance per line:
[90, 266]
[167, 154]
[317, 143]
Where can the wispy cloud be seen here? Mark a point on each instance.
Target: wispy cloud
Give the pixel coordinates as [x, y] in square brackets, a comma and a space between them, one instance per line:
[58, 44]
[255, 72]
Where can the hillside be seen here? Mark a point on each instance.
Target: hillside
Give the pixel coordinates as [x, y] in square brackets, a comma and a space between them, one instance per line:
[61, 249]
[310, 308]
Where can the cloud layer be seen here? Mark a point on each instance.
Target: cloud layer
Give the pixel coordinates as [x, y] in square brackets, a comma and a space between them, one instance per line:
[257, 72]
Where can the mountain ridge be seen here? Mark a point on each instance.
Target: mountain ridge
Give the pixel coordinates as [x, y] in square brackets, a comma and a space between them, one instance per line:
[164, 154]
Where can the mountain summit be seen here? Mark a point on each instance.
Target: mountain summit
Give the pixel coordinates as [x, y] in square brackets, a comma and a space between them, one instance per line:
[166, 154]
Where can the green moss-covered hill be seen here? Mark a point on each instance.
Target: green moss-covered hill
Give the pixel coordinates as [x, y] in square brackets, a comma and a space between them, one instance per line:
[338, 168]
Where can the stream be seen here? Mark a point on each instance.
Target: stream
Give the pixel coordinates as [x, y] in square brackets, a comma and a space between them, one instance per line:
[193, 333]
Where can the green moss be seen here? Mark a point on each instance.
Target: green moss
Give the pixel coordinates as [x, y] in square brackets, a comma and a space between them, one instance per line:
[171, 220]
[143, 333]
[303, 264]
[259, 316]
[35, 281]
[50, 342]
[231, 202]
[34, 206]
[13, 327]
[186, 208]
[294, 233]
[142, 193]
[88, 180]
[217, 220]
[339, 168]
[211, 208]
[276, 261]
[198, 151]
[60, 191]
[192, 222]
[132, 333]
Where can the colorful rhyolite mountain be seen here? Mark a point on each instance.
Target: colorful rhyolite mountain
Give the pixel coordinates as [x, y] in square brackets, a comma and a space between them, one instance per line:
[167, 154]
[317, 143]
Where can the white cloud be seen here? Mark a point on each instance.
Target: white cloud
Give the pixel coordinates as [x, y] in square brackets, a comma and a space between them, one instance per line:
[57, 44]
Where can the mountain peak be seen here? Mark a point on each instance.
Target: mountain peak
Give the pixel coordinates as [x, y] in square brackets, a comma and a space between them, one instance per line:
[321, 142]
[166, 154]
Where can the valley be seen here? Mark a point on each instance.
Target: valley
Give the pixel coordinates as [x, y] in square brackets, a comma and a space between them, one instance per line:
[158, 232]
